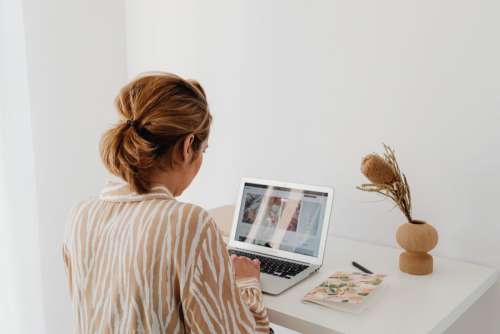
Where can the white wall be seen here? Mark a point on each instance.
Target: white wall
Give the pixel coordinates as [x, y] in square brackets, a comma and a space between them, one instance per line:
[301, 90]
[76, 64]
[20, 277]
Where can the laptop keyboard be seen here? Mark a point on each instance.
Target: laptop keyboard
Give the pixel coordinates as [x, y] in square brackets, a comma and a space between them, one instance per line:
[273, 266]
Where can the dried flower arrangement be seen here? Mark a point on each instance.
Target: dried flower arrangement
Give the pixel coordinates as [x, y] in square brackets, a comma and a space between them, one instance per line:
[416, 237]
[387, 180]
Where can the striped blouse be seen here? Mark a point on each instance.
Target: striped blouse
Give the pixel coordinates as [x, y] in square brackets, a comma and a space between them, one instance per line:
[150, 264]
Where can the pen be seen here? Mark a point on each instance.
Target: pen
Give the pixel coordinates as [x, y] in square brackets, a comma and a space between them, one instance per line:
[360, 267]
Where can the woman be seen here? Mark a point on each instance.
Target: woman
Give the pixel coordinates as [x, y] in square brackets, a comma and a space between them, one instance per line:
[137, 260]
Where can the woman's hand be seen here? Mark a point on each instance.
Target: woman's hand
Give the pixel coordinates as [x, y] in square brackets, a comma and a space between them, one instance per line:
[245, 268]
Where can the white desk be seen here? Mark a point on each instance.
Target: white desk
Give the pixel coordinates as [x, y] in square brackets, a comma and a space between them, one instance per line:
[406, 304]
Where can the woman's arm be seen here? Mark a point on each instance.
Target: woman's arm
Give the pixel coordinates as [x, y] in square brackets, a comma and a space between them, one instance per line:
[214, 302]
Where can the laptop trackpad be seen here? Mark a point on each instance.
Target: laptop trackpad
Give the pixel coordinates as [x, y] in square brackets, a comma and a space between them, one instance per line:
[274, 284]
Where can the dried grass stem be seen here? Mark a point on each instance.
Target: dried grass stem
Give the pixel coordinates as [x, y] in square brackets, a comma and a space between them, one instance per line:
[398, 190]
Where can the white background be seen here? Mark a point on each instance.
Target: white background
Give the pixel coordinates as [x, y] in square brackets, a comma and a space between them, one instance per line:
[76, 64]
[300, 91]
[21, 308]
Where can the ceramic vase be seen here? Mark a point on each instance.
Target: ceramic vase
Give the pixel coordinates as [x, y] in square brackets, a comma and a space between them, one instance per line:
[417, 239]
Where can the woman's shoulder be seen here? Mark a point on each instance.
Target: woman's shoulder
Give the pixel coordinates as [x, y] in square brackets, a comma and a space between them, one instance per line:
[190, 213]
[191, 223]
[83, 205]
[77, 215]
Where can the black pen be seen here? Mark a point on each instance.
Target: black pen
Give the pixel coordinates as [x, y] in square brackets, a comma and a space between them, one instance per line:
[360, 267]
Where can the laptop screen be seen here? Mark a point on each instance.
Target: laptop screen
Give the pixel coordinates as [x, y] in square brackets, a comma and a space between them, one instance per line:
[282, 218]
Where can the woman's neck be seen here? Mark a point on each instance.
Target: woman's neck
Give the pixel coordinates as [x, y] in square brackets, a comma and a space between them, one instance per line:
[168, 179]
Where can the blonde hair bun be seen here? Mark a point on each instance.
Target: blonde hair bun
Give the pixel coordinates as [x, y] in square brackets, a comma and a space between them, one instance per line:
[157, 110]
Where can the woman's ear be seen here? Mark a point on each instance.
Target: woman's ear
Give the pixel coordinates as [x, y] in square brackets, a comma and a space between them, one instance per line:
[187, 148]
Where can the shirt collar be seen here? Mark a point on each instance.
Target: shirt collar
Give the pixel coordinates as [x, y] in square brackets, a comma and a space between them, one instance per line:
[119, 191]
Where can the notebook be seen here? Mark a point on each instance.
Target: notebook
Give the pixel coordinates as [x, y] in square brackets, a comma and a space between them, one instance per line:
[346, 291]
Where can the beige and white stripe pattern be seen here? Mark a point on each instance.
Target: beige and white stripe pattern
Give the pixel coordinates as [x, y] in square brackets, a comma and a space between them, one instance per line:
[150, 264]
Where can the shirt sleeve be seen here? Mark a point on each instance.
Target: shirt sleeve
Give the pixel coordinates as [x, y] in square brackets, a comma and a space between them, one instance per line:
[68, 269]
[66, 249]
[215, 302]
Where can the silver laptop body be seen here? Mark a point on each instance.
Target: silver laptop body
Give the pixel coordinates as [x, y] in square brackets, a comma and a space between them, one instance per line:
[284, 225]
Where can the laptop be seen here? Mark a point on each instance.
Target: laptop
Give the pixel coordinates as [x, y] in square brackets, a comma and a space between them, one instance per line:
[285, 226]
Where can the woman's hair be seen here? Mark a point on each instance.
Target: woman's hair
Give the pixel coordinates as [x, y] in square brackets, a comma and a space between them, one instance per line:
[157, 111]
